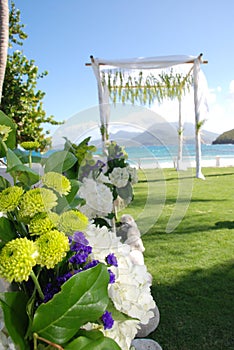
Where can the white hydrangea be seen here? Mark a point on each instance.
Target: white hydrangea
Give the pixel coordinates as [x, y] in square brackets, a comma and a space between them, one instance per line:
[123, 332]
[131, 291]
[119, 177]
[103, 178]
[98, 197]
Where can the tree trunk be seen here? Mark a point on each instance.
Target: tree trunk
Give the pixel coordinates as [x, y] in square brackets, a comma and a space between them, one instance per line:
[4, 37]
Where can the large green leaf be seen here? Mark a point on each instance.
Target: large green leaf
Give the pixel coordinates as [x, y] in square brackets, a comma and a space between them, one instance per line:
[83, 299]
[92, 340]
[60, 161]
[4, 183]
[11, 140]
[24, 156]
[7, 230]
[12, 160]
[25, 174]
[15, 317]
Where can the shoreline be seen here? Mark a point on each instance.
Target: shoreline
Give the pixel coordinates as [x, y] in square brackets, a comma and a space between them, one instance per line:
[151, 163]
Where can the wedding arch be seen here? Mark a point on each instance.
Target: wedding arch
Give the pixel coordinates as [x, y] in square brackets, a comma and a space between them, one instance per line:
[162, 88]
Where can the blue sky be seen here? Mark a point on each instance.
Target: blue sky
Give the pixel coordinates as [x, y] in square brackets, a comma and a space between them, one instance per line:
[63, 34]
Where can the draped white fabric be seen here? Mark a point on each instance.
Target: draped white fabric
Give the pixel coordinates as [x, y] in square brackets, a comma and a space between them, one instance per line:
[146, 62]
[150, 63]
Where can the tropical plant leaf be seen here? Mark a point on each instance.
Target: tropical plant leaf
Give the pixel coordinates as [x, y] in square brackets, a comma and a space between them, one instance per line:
[11, 140]
[60, 161]
[92, 340]
[26, 175]
[24, 156]
[83, 299]
[16, 320]
[7, 230]
[4, 183]
[12, 160]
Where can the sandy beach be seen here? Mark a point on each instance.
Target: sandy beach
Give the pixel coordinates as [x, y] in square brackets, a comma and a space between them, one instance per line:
[150, 163]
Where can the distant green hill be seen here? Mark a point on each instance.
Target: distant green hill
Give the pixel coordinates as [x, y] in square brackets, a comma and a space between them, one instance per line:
[226, 137]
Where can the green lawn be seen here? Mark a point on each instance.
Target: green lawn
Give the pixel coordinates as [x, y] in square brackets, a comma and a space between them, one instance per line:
[193, 266]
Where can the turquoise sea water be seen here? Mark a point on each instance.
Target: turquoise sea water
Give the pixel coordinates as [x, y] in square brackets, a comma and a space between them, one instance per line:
[164, 154]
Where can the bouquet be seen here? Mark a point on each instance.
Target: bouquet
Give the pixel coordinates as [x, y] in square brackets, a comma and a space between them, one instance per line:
[70, 281]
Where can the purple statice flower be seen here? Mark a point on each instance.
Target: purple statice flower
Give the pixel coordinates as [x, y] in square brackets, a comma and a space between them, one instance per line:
[79, 237]
[112, 276]
[82, 253]
[62, 279]
[91, 264]
[107, 320]
[50, 290]
[111, 259]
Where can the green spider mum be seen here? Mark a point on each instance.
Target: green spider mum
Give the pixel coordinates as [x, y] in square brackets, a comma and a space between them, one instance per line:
[57, 182]
[37, 200]
[30, 145]
[17, 259]
[71, 221]
[52, 248]
[4, 132]
[10, 198]
[42, 223]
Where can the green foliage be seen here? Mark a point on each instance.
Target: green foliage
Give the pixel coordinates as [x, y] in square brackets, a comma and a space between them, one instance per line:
[7, 230]
[146, 88]
[60, 319]
[16, 320]
[11, 139]
[225, 138]
[92, 340]
[83, 152]
[21, 100]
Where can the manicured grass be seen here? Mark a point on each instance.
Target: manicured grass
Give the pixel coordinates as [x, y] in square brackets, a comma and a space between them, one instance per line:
[193, 266]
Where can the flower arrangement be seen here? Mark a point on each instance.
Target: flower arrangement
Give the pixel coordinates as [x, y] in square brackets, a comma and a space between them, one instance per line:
[70, 281]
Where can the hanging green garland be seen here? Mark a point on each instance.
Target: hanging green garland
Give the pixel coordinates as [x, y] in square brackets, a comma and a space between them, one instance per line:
[145, 89]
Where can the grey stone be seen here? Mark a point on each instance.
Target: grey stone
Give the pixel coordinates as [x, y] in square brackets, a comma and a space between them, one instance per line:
[148, 328]
[145, 344]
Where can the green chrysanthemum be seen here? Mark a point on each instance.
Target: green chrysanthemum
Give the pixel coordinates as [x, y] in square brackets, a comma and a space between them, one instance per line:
[10, 198]
[37, 200]
[57, 181]
[71, 221]
[17, 259]
[52, 248]
[42, 223]
[4, 132]
[30, 145]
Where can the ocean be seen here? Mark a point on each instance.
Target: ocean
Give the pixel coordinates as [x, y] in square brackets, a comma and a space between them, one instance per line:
[165, 156]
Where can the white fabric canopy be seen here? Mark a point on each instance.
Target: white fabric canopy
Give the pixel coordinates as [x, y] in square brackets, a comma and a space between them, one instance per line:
[146, 62]
[150, 63]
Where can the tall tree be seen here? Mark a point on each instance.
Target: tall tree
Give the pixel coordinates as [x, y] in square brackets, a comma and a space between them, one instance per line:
[21, 100]
[4, 34]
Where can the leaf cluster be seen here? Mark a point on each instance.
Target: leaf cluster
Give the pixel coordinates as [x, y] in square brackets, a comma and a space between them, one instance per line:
[21, 99]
